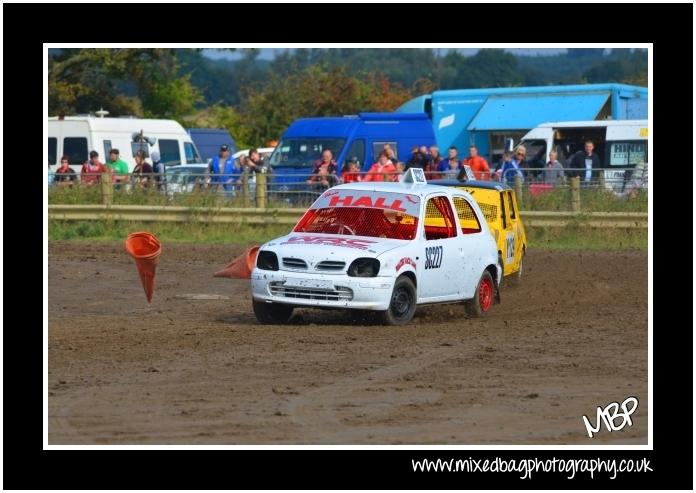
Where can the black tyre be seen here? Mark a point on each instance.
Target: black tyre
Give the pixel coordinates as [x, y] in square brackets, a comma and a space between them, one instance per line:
[272, 313]
[483, 299]
[403, 303]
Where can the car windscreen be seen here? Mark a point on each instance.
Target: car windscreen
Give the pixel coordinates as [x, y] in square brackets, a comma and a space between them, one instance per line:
[185, 175]
[363, 213]
[303, 152]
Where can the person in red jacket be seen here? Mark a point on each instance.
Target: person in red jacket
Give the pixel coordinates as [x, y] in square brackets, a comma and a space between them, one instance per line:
[92, 169]
[382, 170]
[478, 164]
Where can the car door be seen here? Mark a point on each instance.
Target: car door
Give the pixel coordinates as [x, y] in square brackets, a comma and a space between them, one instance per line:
[472, 243]
[439, 259]
[508, 233]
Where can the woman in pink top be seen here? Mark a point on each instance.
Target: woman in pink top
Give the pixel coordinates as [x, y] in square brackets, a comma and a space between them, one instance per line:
[380, 168]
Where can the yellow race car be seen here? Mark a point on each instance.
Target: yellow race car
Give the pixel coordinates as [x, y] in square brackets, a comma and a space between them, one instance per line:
[499, 205]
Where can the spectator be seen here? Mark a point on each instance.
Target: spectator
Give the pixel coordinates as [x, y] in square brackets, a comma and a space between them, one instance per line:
[434, 160]
[254, 163]
[324, 171]
[222, 168]
[400, 167]
[418, 159]
[520, 160]
[553, 174]
[451, 165]
[478, 164]
[391, 154]
[92, 169]
[586, 159]
[64, 175]
[382, 170]
[351, 171]
[159, 170]
[142, 173]
[118, 166]
[511, 168]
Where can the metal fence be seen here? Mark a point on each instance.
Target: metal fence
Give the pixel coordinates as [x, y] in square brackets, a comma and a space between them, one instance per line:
[536, 189]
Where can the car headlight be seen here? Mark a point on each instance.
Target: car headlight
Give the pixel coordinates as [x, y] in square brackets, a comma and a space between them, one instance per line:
[364, 267]
[266, 260]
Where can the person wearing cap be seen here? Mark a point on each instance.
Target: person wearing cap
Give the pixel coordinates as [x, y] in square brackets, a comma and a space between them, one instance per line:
[118, 166]
[351, 171]
[92, 169]
[222, 168]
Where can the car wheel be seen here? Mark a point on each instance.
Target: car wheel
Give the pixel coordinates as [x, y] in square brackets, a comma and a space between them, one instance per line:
[403, 303]
[272, 313]
[483, 299]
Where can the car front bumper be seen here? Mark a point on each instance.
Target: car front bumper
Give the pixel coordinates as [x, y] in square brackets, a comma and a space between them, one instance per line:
[321, 290]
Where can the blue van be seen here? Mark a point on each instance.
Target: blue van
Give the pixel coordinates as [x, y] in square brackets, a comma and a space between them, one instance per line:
[209, 140]
[362, 136]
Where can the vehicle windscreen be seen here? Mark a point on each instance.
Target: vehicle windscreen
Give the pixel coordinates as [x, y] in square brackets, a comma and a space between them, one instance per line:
[303, 152]
[183, 175]
[363, 213]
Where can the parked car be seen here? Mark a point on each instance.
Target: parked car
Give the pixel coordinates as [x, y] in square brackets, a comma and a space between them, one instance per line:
[76, 136]
[385, 247]
[499, 205]
[186, 178]
[265, 152]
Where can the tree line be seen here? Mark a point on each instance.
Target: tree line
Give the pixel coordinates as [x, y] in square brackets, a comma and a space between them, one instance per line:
[257, 99]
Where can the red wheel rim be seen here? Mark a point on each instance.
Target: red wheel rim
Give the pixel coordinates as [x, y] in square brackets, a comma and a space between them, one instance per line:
[486, 294]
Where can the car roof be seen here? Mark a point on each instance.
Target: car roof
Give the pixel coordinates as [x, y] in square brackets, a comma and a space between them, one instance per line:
[187, 167]
[488, 185]
[245, 152]
[407, 188]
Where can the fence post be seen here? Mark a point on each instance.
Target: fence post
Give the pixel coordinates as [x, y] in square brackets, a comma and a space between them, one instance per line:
[518, 189]
[261, 190]
[602, 179]
[245, 188]
[107, 189]
[575, 194]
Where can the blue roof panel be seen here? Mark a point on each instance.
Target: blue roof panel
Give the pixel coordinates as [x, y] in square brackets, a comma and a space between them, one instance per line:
[529, 111]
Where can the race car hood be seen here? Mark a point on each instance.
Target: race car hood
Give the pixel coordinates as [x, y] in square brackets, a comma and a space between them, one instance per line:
[314, 247]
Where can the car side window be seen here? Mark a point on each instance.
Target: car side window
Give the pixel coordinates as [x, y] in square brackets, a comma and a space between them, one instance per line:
[439, 220]
[467, 216]
[357, 149]
[512, 207]
[503, 213]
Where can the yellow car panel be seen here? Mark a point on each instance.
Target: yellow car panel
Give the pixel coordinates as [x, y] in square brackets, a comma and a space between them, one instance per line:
[499, 206]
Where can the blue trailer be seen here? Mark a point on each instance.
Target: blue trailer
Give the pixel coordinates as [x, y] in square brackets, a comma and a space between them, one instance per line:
[487, 117]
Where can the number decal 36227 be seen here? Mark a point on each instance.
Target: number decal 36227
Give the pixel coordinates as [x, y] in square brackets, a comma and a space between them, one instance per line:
[433, 257]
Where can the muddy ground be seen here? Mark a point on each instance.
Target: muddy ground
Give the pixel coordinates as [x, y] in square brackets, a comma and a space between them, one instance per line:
[201, 371]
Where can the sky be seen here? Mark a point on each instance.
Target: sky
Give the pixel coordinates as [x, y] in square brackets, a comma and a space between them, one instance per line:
[269, 53]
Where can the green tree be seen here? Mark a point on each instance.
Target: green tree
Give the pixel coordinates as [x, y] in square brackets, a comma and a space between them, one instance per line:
[315, 91]
[123, 81]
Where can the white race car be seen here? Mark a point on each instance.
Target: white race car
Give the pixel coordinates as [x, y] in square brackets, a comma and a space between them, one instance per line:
[385, 247]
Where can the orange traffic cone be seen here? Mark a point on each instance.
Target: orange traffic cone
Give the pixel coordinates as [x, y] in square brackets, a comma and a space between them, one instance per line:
[241, 267]
[145, 249]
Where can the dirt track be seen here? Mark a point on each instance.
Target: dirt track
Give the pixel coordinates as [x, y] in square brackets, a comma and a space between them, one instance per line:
[571, 338]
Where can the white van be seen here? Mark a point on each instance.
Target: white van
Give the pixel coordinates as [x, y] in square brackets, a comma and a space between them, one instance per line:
[620, 145]
[76, 136]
